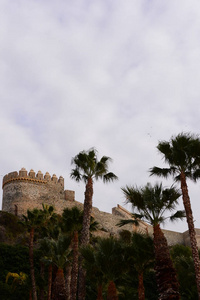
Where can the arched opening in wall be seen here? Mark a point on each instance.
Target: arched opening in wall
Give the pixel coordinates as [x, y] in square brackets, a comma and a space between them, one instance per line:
[16, 210]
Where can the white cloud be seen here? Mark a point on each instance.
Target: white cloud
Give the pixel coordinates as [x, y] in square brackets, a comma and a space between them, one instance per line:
[115, 75]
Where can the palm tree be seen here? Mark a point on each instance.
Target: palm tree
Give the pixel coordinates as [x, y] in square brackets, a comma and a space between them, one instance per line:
[106, 262]
[47, 258]
[55, 253]
[34, 221]
[151, 204]
[139, 254]
[93, 268]
[88, 168]
[72, 223]
[60, 259]
[182, 154]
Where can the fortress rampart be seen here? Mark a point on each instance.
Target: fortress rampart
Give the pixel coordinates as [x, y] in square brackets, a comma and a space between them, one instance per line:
[23, 175]
[23, 190]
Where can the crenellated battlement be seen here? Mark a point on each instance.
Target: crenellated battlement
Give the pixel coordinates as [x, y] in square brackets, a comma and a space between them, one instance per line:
[27, 190]
[23, 175]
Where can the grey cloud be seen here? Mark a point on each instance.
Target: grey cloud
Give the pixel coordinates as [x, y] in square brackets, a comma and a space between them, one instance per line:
[118, 76]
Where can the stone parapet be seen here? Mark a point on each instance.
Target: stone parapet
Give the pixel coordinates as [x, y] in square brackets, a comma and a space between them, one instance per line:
[27, 190]
[23, 175]
[69, 195]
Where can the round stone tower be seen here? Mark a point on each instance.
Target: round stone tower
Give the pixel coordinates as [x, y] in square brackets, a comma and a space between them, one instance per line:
[23, 190]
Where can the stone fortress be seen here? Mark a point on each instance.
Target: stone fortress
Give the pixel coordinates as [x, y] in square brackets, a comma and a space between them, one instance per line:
[23, 190]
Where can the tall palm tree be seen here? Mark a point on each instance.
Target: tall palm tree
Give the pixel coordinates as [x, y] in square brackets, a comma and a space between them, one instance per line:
[88, 168]
[182, 154]
[72, 223]
[151, 203]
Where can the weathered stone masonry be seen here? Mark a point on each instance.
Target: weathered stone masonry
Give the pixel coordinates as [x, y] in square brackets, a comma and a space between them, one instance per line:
[23, 190]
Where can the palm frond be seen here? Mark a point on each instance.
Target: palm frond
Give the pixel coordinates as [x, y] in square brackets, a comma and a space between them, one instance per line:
[109, 177]
[179, 215]
[126, 222]
[161, 172]
[88, 166]
[133, 195]
[152, 202]
[88, 254]
[196, 174]
[75, 174]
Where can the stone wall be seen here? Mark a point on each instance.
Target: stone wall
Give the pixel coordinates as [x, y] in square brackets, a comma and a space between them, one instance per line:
[187, 239]
[23, 190]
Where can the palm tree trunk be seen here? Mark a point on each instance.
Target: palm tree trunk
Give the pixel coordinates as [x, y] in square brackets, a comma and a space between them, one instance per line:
[31, 260]
[42, 276]
[85, 235]
[59, 290]
[87, 209]
[100, 292]
[68, 272]
[112, 291]
[81, 281]
[74, 278]
[167, 282]
[141, 290]
[192, 234]
[49, 281]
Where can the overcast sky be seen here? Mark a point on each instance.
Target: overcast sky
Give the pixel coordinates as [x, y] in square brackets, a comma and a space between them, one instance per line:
[115, 75]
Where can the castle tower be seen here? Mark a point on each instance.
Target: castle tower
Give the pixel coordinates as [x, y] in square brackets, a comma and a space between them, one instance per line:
[23, 190]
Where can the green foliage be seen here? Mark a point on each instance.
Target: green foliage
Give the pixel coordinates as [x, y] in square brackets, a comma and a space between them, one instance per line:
[106, 259]
[11, 224]
[184, 265]
[140, 252]
[152, 202]
[150, 285]
[87, 166]
[13, 259]
[104, 262]
[179, 251]
[55, 251]
[8, 293]
[111, 259]
[181, 153]
[39, 218]
[72, 220]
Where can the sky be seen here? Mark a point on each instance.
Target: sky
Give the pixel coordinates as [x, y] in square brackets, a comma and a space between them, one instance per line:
[119, 76]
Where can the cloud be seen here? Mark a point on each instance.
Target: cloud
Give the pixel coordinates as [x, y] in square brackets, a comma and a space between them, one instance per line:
[118, 76]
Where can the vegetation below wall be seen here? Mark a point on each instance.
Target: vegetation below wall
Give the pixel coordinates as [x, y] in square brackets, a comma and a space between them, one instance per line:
[10, 228]
[120, 265]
